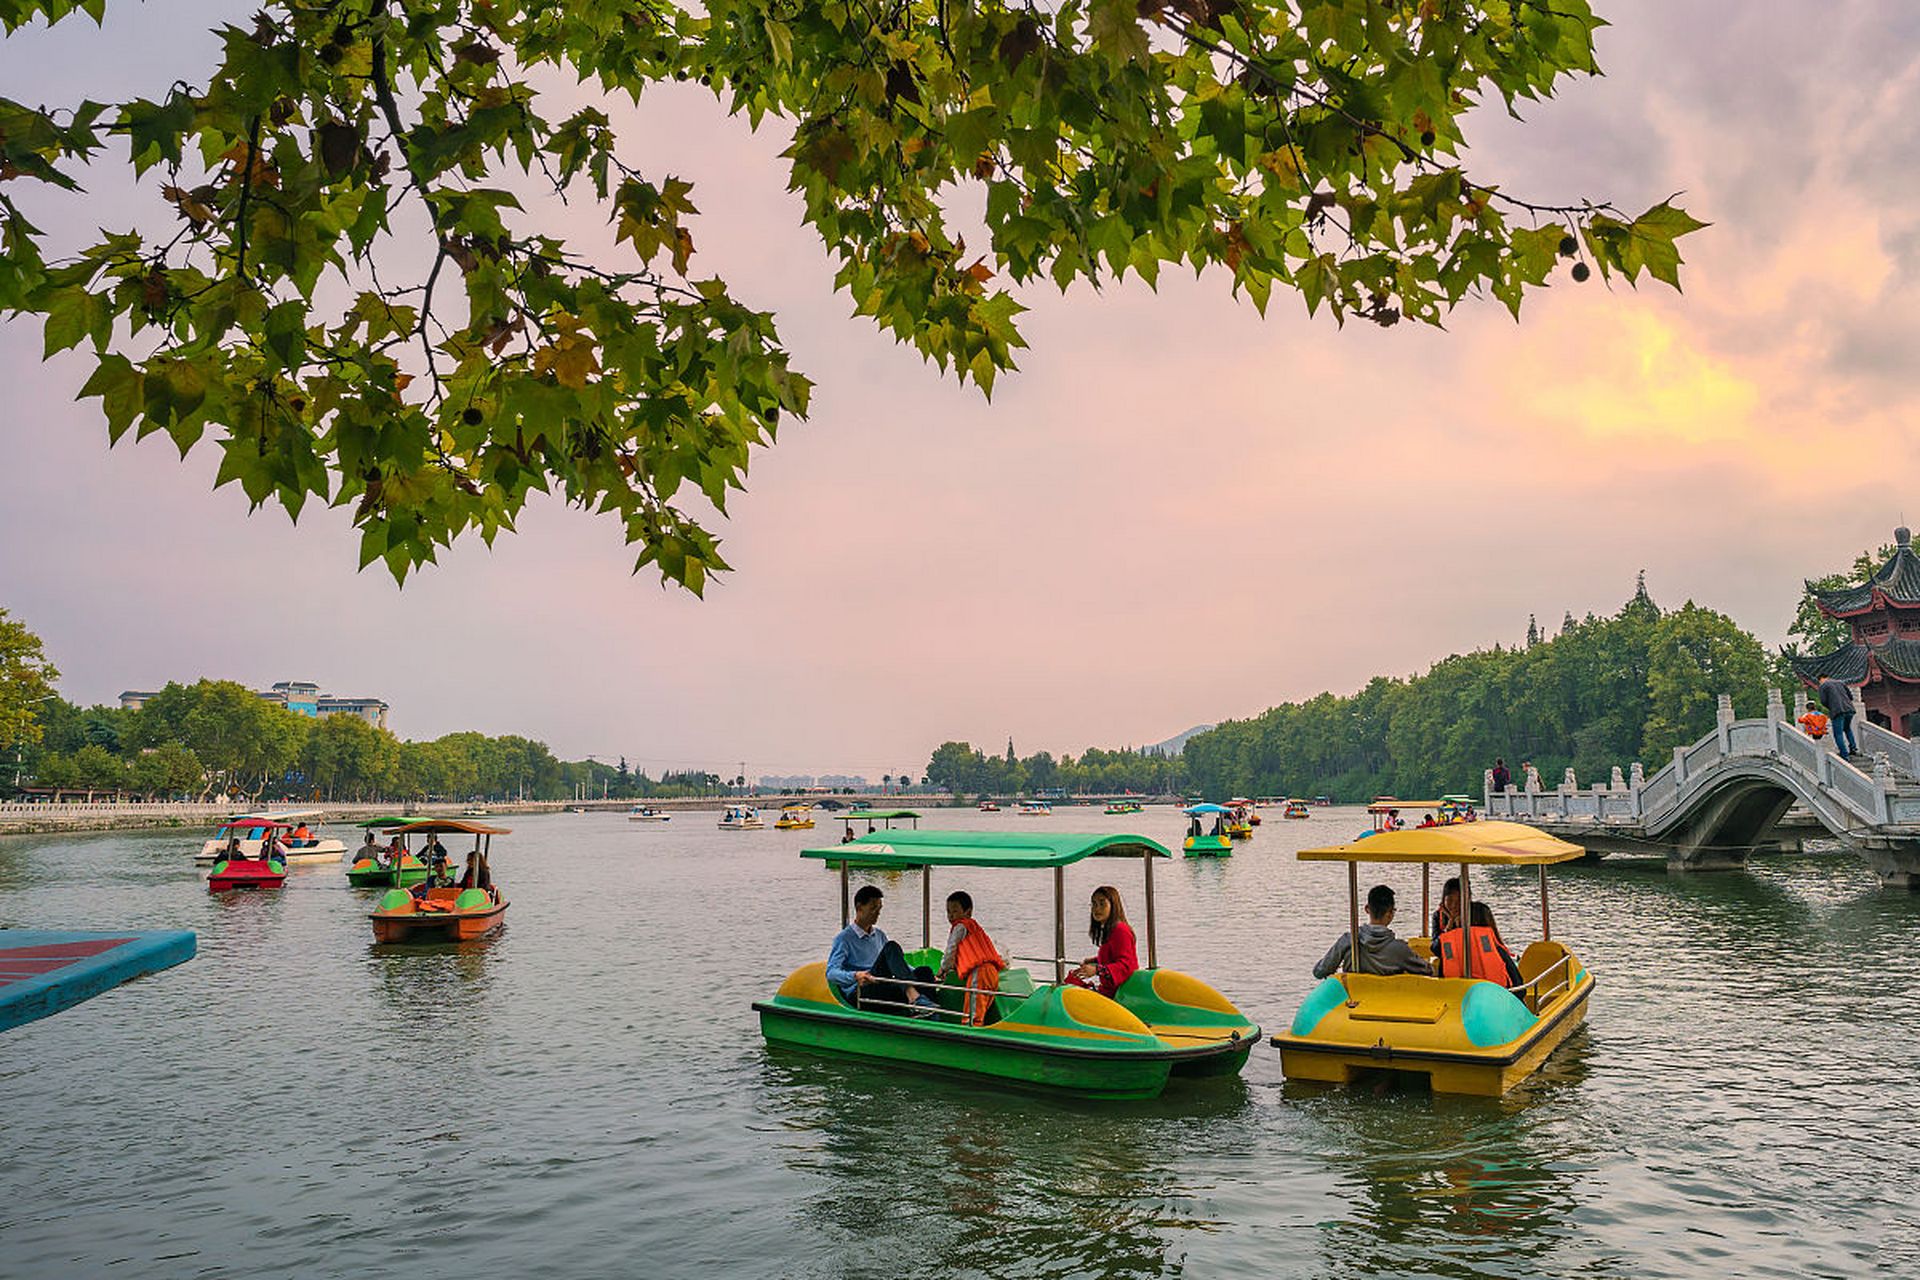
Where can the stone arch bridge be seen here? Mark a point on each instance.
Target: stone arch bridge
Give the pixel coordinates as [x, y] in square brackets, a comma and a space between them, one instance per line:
[1722, 797]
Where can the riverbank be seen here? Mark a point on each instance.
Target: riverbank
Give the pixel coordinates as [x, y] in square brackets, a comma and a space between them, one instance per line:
[51, 819]
[55, 819]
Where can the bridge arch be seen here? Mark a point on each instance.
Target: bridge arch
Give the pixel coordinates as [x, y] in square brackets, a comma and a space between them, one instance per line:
[1733, 808]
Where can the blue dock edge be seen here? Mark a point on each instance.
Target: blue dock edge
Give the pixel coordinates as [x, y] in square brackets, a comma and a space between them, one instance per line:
[43, 971]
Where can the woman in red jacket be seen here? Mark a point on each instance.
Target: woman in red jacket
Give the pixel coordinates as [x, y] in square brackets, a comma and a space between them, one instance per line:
[1108, 970]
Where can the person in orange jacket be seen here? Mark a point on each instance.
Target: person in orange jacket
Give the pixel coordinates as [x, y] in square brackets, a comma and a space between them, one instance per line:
[971, 958]
[1815, 723]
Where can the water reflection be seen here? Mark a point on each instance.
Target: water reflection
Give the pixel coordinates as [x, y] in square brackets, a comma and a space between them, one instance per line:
[434, 984]
[967, 1177]
[1452, 1183]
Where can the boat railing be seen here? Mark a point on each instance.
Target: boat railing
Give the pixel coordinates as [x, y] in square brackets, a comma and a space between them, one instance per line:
[1539, 996]
[867, 1002]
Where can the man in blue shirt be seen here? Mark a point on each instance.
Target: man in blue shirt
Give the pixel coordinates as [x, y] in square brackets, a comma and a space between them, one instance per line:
[867, 969]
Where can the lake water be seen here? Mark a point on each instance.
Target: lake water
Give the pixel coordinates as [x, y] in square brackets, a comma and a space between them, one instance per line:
[587, 1093]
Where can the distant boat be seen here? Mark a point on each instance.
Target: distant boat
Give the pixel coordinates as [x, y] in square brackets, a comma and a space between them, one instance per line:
[475, 811]
[741, 817]
[1035, 809]
[794, 817]
[249, 827]
[647, 813]
[988, 806]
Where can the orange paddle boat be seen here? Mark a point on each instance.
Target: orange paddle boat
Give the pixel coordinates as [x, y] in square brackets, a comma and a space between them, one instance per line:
[442, 909]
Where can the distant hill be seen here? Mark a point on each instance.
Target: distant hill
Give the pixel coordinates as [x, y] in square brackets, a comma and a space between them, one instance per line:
[1178, 742]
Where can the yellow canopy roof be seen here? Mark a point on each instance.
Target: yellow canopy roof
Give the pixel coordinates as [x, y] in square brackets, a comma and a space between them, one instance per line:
[1480, 844]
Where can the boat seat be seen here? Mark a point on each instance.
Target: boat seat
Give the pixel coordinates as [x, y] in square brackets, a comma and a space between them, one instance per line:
[1534, 962]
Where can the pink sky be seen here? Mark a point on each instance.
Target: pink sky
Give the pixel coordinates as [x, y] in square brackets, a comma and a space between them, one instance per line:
[1177, 512]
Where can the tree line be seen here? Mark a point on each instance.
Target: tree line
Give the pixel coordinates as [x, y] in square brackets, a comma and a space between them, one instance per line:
[1605, 691]
[218, 738]
[964, 769]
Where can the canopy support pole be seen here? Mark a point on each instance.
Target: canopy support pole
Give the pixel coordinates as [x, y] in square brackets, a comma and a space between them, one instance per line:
[1353, 917]
[1426, 898]
[926, 906]
[1546, 928]
[1059, 926]
[1153, 948]
[1466, 922]
[846, 901]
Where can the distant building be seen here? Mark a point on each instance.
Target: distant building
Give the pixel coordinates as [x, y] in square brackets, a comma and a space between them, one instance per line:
[301, 697]
[295, 695]
[372, 710]
[1883, 652]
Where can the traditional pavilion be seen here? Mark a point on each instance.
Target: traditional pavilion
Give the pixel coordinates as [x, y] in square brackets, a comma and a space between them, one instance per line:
[1884, 653]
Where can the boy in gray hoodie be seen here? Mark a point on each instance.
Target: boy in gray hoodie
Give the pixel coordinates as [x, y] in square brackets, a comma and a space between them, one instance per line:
[1380, 952]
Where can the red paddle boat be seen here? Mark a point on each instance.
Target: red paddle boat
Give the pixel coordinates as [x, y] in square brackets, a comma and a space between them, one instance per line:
[234, 870]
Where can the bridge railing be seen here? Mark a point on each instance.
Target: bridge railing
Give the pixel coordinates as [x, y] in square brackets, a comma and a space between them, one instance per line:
[1902, 753]
[1845, 797]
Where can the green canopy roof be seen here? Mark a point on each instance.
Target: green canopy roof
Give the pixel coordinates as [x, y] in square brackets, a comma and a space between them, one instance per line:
[385, 822]
[882, 814]
[885, 849]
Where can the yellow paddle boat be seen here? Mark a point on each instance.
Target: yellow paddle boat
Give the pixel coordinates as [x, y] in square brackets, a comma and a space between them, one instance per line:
[1468, 1034]
[794, 817]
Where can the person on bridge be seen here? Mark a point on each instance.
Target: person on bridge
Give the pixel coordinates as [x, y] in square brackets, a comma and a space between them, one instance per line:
[1814, 723]
[1502, 776]
[1838, 700]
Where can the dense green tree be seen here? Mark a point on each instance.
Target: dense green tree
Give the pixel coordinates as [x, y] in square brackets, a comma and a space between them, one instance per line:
[247, 742]
[1812, 631]
[1698, 654]
[166, 770]
[99, 769]
[1603, 692]
[26, 683]
[365, 297]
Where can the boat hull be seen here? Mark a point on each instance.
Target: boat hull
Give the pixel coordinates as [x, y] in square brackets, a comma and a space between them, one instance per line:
[246, 873]
[400, 922]
[1064, 1040]
[1208, 847]
[365, 875]
[1437, 1048]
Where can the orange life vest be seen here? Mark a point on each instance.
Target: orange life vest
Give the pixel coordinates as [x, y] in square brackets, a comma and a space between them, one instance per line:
[1489, 957]
[977, 962]
[1815, 724]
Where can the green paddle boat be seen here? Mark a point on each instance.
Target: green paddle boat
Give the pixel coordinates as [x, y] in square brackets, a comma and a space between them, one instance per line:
[877, 820]
[1214, 842]
[387, 870]
[1050, 1034]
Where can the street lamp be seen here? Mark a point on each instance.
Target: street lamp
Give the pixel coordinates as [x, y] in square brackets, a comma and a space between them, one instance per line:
[20, 748]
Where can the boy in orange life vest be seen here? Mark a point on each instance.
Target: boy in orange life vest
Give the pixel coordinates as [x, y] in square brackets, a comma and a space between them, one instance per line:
[1815, 723]
[971, 958]
[1491, 959]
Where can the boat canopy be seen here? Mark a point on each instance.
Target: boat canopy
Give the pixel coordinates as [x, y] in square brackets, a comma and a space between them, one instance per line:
[451, 826]
[879, 815]
[1480, 844]
[254, 824]
[895, 850]
[1204, 807]
[385, 822]
[1388, 806]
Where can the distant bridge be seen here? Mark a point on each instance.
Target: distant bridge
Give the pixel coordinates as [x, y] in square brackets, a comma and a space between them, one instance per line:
[1722, 797]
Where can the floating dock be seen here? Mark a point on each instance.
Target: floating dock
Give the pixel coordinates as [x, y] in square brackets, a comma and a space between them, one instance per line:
[43, 971]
